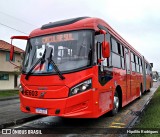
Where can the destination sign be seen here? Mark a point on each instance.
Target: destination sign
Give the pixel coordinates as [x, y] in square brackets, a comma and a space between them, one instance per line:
[58, 38]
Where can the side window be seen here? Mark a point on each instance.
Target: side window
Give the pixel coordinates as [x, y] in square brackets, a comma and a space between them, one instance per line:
[136, 59]
[122, 62]
[114, 45]
[137, 64]
[122, 51]
[119, 48]
[146, 68]
[140, 62]
[98, 40]
[116, 53]
[132, 57]
[122, 57]
[150, 70]
[133, 62]
[140, 65]
[116, 60]
[127, 60]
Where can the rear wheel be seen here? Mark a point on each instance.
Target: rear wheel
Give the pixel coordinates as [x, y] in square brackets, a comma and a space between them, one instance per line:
[150, 88]
[140, 92]
[114, 111]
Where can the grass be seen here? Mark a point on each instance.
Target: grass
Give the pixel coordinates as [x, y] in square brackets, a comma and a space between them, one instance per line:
[151, 117]
[8, 93]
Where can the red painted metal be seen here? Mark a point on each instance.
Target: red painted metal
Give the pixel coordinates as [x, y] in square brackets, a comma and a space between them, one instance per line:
[20, 37]
[106, 49]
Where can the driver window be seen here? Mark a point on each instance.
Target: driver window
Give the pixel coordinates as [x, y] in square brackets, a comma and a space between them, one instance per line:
[98, 40]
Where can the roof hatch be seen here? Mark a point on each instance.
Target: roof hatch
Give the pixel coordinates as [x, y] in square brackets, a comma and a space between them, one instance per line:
[62, 23]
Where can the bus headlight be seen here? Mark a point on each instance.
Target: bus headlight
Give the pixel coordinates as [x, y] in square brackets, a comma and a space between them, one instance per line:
[21, 88]
[83, 86]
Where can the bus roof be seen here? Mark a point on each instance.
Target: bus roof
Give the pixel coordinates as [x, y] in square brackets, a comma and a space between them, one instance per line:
[77, 24]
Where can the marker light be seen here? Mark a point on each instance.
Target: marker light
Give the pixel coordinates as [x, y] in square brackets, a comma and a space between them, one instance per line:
[20, 87]
[81, 87]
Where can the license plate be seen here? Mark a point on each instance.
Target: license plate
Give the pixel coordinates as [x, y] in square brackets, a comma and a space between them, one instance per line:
[41, 110]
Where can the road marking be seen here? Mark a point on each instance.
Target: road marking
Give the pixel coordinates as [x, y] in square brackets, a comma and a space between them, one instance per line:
[127, 112]
[117, 125]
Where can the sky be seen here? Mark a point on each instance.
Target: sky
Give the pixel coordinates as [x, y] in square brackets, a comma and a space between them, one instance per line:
[137, 21]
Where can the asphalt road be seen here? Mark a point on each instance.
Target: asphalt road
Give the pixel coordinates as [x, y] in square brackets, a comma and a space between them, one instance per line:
[95, 127]
[9, 102]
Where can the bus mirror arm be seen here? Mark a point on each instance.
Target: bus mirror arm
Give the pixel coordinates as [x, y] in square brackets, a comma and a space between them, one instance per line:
[12, 55]
[12, 49]
[11, 52]
[15, 64]
[100, 60]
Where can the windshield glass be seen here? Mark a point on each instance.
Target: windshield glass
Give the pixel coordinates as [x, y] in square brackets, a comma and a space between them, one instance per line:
[70, 51]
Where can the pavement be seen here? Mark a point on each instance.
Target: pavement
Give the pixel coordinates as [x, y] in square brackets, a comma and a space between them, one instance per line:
[10, 114]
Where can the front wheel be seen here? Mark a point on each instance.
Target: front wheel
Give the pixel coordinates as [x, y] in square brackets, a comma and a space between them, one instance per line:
[114, 111]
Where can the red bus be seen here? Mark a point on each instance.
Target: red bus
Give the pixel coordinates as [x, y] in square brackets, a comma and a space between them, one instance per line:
[80, 68]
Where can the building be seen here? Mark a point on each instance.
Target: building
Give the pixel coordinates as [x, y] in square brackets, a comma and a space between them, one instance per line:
[9, 74]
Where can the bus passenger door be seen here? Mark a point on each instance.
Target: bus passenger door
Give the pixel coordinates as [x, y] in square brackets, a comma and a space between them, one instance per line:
[128, 75]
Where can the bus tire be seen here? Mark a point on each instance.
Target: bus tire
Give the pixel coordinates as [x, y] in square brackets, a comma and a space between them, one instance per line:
[140, 92]
[150, 88]
[116, 104]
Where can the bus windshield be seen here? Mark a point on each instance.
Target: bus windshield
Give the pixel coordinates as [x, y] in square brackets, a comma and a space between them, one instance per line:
[70, 51]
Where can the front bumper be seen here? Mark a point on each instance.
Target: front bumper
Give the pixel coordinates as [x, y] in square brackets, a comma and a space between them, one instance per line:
[78, 106]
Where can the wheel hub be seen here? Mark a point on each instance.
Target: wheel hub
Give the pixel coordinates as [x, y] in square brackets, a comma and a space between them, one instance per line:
[116, 102]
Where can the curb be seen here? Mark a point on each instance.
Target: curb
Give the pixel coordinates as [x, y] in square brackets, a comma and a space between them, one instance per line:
[137, 117]
[132, 123]
[20, 121]
[9, 98]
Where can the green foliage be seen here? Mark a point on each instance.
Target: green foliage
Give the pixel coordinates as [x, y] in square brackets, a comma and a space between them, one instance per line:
[8, 93]
[151, 117]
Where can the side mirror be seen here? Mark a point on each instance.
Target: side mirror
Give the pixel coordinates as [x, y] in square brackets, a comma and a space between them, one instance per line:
[11, 53]
[20, 37]
[105, 49]
[12, 47]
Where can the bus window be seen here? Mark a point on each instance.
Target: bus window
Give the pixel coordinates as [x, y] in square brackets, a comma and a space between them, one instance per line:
[114, 45]
[99, 39]
[146, 68]
[122, 51]
[137, 64]
[116, 60]
[119, 48]
[133, 62]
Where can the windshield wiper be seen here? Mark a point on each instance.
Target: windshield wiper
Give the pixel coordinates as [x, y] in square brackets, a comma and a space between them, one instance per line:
[42, 60]
[50, 61]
